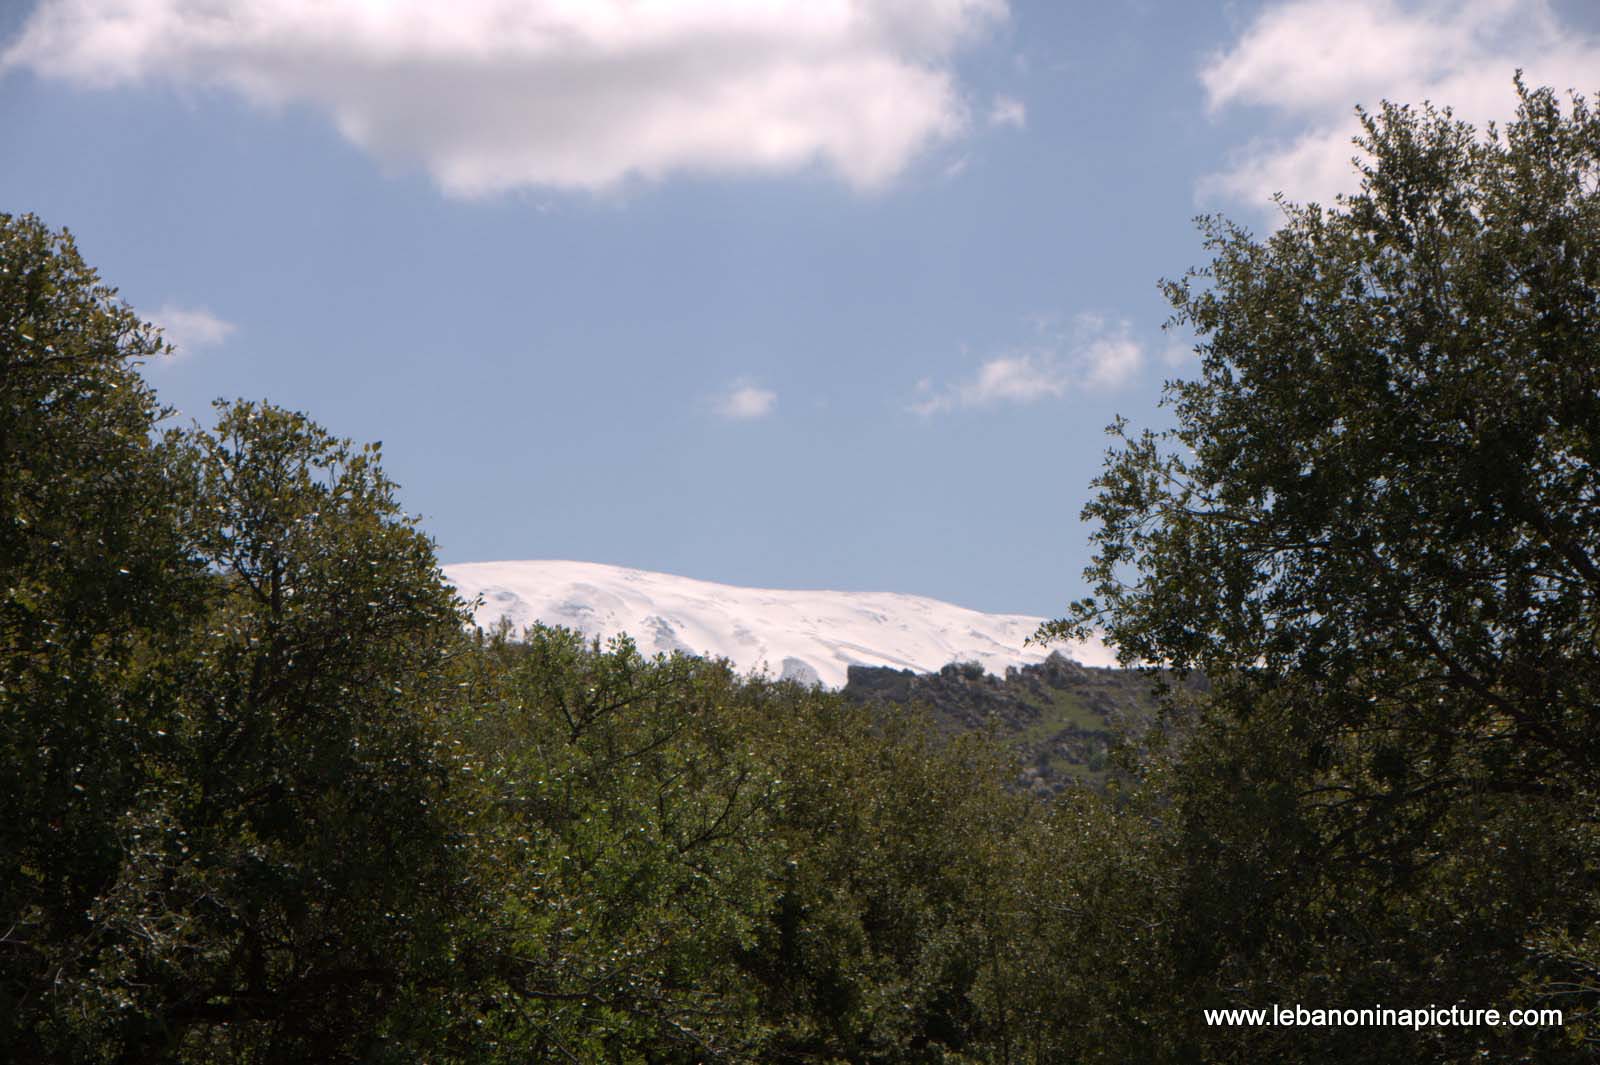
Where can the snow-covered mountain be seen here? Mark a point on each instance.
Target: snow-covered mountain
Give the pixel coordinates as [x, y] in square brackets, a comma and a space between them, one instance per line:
[805, 635]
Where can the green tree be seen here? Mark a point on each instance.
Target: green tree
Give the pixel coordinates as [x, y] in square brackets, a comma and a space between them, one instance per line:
[887, 943]
[625, 825]
[94, 579]
[691, 866]
[292, 865]
[1376, 529]
[227, 829]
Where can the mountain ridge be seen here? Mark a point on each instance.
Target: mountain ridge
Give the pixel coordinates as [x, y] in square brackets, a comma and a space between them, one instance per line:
[812, 636]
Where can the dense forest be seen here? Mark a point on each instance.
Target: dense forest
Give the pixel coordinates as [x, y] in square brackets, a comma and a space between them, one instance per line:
[265, 796]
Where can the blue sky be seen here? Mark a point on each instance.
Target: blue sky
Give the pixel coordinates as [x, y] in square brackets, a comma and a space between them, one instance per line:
[826, 294]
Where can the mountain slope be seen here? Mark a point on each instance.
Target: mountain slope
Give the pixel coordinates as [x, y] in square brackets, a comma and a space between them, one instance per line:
[1060, 718]
[810, 636]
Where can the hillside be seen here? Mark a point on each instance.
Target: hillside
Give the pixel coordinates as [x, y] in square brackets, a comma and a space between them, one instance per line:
[1058, 715]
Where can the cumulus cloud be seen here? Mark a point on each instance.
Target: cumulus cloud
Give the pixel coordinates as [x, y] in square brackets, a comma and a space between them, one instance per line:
[746, 402]
[492, 95]
[1095, 354]
[1309, 62]
[189, 329]
[1008, 111]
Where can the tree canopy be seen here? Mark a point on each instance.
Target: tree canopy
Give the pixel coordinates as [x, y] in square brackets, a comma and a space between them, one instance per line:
[1375, 528]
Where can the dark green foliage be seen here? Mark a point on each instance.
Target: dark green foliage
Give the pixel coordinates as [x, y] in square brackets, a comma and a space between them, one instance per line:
[1063, 720]
[628, 820]
[291, 868]
[696, 866]
[1376, 530]
[93, 580]
[223, 829]
[882, 942]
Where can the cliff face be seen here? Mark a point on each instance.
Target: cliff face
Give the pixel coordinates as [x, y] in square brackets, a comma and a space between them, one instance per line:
[1060, 717]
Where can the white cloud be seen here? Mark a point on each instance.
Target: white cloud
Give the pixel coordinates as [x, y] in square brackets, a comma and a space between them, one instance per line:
[1094, 355]
[1008, 379]
[746, 402]
[491, 95]
[1178, 353]
[1008, 111]
[1106, 356]
[1310, 62]
[188, 329]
